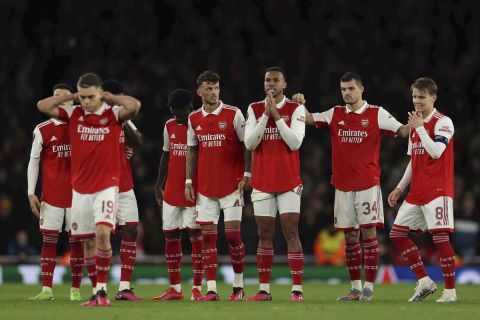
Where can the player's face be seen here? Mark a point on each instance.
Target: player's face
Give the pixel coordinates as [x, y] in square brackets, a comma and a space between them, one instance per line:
[181, 115]
[209, 92]
[90, 98]
[63, 92]
[274, 81]
[351, 91]
[423, 101]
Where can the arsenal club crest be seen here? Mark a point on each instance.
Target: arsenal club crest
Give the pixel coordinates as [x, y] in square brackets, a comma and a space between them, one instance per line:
[74, 226]
[364, 122]
[103, 121]
[222, 125]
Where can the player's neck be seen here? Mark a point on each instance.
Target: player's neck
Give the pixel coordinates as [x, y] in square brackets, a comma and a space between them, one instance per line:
[357, 105]
[210, 107]
[279, 98]
[426, 113]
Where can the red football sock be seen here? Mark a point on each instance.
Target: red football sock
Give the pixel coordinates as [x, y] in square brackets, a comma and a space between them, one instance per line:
[237, 250]
[76, 261]
[353, 258]
[128, 254]
[264, 264]
[173, 255]
[102, 260]
[295, 261]
[48, 257]
[408, 249]
[92, 270]
[447, 258]
[197, 244]
[209, 254]
[371, 257]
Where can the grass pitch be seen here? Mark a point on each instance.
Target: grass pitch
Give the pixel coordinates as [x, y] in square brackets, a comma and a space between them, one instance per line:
[390, 303]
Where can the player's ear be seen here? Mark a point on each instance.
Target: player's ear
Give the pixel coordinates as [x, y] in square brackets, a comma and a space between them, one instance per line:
[199, 93]
[434, 98]
[284, 85]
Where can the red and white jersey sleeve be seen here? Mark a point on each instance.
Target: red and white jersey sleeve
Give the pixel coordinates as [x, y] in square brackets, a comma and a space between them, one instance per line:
[175, 143]
[94, 139]
[275, 165]
[51, 144]
[387, 122]
[323, 118]
[432, 178]
[220, 151]
[239, 125]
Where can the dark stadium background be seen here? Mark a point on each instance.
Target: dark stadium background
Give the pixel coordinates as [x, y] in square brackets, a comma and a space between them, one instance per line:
[154, 47]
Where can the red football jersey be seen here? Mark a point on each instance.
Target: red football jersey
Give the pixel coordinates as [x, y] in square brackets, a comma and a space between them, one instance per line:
[126, 179]
[175, 142]
[355, 138]
[276, 168]
[94, 138]
[51, 144]
[431, 178]
[219, 137]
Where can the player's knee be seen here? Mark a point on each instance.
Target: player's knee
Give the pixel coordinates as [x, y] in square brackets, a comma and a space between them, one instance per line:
[173, 235]
[352, 236]
[130, 231]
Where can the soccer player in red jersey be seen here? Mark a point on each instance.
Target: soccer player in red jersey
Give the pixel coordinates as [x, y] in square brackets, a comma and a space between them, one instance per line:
[51, 148]
[356, 129]
[429, 203]
[95, 127]
[275, 130]
[127, 213]
[177, 212]
[215, 150]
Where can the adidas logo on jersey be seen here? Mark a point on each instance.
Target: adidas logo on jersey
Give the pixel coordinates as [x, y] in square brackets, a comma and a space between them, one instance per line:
[341, 123]
[80, 119]
[198, 128]
[374, 218]
[172, 136]
[53, 139]
[438, 223]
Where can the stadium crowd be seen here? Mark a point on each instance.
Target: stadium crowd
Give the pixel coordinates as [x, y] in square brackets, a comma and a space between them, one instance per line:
[176, 40]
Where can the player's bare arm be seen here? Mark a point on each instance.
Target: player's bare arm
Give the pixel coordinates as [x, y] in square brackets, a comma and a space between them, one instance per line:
[403, 131]
[394, 196]
[192, 157]
[133, 136]
[131, 106]
[34, 204]
[49, 106]
[300, 98]
[244, 184]
[162, 176]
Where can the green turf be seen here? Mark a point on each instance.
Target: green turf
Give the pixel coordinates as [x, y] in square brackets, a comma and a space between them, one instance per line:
[390, 303]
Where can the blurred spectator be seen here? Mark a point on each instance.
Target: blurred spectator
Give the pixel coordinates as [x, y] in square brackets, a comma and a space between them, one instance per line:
[329, 247]
[21, 246]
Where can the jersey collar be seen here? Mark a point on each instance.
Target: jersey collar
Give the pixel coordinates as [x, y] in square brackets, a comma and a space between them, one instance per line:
[99, 111]
[215, 112]
[57, 122]
[359, 110]
[430, 116]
